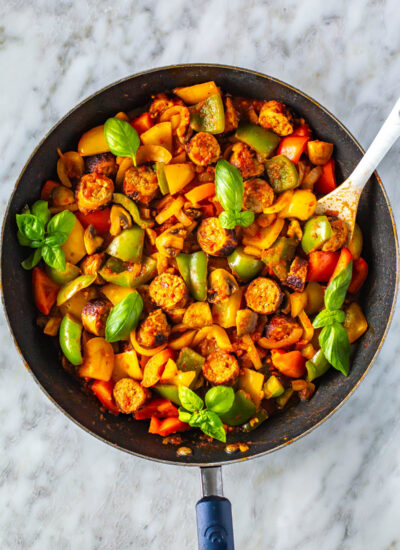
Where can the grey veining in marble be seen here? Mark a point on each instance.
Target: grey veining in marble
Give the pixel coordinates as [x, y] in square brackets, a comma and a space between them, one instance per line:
[338, 488]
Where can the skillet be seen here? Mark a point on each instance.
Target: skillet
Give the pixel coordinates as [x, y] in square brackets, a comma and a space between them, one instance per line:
[40, 354]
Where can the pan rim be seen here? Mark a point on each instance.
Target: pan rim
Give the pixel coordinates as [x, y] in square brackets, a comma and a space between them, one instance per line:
[392, 220]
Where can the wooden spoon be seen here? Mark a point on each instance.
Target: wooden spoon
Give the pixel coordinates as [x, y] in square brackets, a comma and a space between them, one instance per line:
[343, 201]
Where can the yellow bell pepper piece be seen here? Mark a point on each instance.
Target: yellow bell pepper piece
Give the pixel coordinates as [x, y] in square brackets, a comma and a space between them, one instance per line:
[178, 176]
[183, 378]
[93, 142]
[98, 360]
[126, 364]
[252, 383]
[224, 313]
[302, 205]
[298, 301]
[265, 236]
[74, 247]
[159, 134]
[152, 153]
[355, 322]
[116, 293]
[281, 202]
[170, 371]
[198, 92]
[185, 340]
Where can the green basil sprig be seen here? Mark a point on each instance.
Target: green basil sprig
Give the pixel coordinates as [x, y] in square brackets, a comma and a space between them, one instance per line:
[121, 138]
[124, 317]
[219, 400]
[229, 190]
[37, 230]
[333, 338]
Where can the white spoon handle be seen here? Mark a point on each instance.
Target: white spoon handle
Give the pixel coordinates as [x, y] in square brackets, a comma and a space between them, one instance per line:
[385, 138]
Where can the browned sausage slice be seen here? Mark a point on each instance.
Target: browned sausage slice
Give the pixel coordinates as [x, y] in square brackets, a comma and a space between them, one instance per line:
[264, 295]
[221, 369]
[168, 291]
[214, 239]
[154, 330]
[129, 395]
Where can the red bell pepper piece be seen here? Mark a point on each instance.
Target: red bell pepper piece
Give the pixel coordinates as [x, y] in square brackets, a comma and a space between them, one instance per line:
[291, 363]
[104, 393]
[327, 180]
[344, 259]
[167, 426]
[142, 123]
[293, 147]
[321, 265]
[303, 130]
[44, 291]
[47, 189]
[99, 218]
[207, 210]
[159, 407]
[360, 273]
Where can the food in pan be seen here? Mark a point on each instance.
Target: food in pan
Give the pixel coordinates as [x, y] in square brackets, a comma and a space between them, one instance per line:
[179, 262]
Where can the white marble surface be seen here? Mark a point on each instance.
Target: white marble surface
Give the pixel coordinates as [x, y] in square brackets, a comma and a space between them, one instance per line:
[339, 488]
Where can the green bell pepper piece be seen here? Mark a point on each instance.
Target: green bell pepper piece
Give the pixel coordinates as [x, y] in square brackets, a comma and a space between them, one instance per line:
[208, 115]
[62, 277]
[282, 173]
[128, 245]
[114, 271]
[131, 207]
[162, 180]
[273, 387]
[189, 360]
[317, 366]
[261, 140]
[67, 291]
[168, 391]
[260, 417]
[243, 265]
[278, 257]
[283, 399]
[316, 231]
[70, 339]
[193, 268]
[241, 411]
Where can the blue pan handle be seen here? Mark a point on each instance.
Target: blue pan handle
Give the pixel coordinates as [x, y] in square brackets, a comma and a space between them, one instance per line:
[214, 513]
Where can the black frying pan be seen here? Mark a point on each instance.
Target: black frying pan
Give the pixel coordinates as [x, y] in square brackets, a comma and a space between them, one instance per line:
[39, 352]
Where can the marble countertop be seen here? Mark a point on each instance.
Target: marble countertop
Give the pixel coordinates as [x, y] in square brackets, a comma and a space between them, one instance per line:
[338, 488]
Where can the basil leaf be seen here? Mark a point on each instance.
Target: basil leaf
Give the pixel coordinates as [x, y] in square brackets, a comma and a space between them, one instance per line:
[335, 344]
[328, 317]
[219, 399]
[211, 424]
[30, 226]
[189, 399]
[23, 241]
[335, 292]
[32, 260]
[63, 222]
[36, 244]
[245, 218]
[184, 416]
[197, 418]
[56, 239]
[227, 219]
[54, 257]
[124, 317]
[40, 209]
[229, 187]
[121, 138]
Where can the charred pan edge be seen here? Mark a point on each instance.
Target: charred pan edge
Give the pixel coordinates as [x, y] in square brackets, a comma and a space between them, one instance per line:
[307, 97]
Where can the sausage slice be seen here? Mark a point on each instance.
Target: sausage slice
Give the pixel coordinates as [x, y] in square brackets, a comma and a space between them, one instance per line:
[214, 239]
[221, 369]
[129, 395]
[264, 295]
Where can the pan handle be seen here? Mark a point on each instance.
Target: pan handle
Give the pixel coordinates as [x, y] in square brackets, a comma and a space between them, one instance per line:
[214, 513]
